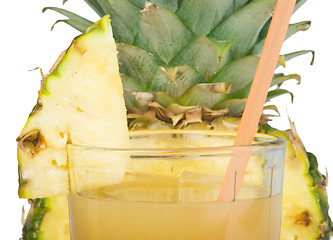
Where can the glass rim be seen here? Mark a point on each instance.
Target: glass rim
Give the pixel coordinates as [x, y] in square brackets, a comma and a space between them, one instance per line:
[268, 142]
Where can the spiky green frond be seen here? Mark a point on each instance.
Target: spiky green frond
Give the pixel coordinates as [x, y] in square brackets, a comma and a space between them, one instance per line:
[162, 33]
[125, 26]
[293, 29]
[279, 92]
[203, 54]
[244, 26]
[137, 63]
[93, 4]
[170, 48]
[74, 20]
[175, 80]
[204, 15]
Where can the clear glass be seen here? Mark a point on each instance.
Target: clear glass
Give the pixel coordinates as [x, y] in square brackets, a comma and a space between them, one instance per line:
[166, 187]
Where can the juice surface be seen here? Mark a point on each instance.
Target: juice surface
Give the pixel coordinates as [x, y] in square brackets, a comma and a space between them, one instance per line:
[106, 219]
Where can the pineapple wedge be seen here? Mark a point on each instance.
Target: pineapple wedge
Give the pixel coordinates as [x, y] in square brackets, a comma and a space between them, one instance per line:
[80, 102]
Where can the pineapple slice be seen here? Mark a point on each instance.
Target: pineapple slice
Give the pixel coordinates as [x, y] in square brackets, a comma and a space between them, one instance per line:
[80, 102]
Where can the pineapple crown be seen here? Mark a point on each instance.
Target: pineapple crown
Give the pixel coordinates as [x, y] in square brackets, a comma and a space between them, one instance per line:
[184, 61]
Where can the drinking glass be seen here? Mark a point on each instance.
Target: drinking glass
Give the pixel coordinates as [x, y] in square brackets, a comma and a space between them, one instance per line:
[165, 186]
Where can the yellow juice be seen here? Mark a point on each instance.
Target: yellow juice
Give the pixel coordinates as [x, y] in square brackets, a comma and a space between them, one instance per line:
[170, 192]
[100, 218]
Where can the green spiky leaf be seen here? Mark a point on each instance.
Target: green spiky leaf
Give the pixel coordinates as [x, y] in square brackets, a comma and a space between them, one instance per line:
[204, 95]
[202, 16]
[170, 4]
[277, 80]
[164, 99]
[76, 21]
[175, 80]
[299, 3]
[235, 106]
[162, 33]
[292, 29]
[139, 3]
[77, 25]
[124, 19]
[137, 62]
[96, 7]
[238, 73]
[292, 55]
[131, 84]
[296, 27]
[278, 92]
[243, 27]
[204, 55]
[280, 78]
[239, 3]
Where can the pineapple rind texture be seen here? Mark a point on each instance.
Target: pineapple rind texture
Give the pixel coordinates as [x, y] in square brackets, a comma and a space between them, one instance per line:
[304, 202]
[43, 216]
[34, 219]
[69, 115]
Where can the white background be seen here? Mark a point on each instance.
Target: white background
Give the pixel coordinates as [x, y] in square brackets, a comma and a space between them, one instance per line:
[26, 43]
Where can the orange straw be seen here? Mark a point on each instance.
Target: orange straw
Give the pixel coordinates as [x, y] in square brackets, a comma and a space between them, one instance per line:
[256, 99]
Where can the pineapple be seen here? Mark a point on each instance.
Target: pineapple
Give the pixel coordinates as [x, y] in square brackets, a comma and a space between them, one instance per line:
[189, 65]
[95, 119]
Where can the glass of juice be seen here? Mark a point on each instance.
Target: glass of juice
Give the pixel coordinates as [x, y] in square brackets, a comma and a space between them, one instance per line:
[165, 186]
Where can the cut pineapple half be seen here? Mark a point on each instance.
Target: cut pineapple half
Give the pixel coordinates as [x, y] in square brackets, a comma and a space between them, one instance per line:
[80, 102]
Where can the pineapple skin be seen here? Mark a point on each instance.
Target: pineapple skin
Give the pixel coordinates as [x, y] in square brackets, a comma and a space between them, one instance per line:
[43, 216]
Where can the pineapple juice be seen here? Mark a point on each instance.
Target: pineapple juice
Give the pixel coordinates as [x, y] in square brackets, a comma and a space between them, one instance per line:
[170, 190]
[108, 219]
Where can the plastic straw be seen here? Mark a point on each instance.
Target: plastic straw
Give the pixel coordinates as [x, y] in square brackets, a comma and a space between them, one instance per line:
[256, 99]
